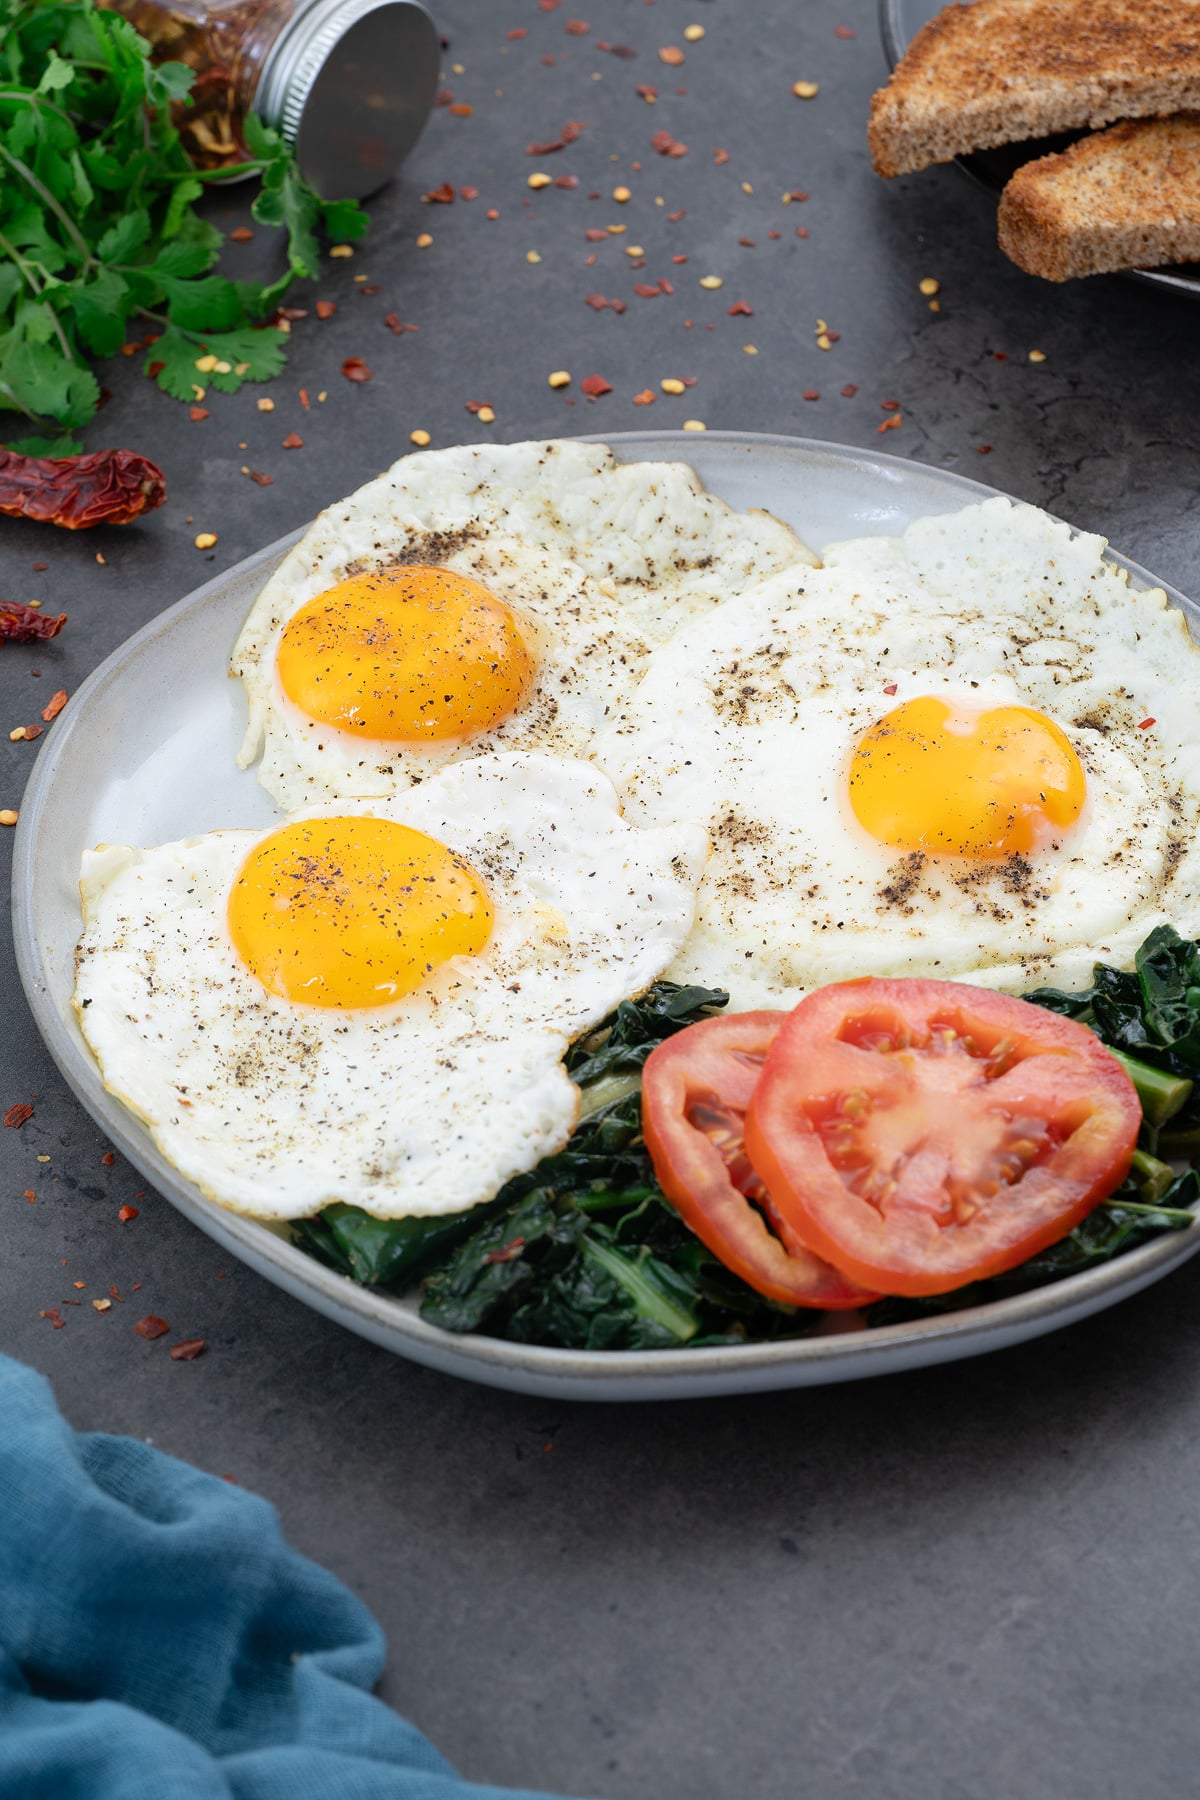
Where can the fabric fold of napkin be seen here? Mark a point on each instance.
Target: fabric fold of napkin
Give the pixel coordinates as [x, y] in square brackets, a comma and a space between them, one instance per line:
[160, 1641]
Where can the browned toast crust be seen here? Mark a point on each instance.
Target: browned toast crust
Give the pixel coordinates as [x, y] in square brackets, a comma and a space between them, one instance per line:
[1125, 198]
[1002, 71]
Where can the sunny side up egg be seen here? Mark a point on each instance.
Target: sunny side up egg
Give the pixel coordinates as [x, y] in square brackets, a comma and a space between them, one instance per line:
[476, 599]
[371, 1003]
[969, 752]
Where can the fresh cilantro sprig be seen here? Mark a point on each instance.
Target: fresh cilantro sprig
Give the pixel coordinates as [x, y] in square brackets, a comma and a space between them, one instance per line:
[98, 224]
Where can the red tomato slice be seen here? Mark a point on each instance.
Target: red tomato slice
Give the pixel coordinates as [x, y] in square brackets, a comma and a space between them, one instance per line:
[923, 1134]
[695, 1090]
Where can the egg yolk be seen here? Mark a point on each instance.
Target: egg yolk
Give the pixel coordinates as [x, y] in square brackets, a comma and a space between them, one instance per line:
[935, 777]
[409, 655]
[354, 912]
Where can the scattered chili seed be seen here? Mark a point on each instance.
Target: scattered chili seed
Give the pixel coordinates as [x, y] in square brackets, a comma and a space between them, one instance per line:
[672, 55]
[595, 385]
[424, 241]
[693, 33]
[645, 398]
[1037, 356]
[539, 179]
[559, 379]
[102, 1306]
[622, 195]
[188, 1350]
[151, 1327]
[531, 256]
[293, 441]
[16, 1115]
[419, 437]
[8, 816]
[54, 706]
[929, 285]
[355, 369]
[805, 90]
[711, 281]
[266, 404]
[671, 385]
[486, 415]
[126, 1213]
[694, 425]
[205, 540]
[750, 349]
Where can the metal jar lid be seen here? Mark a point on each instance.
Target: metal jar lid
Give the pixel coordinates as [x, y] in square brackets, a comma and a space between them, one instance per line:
[350, 83]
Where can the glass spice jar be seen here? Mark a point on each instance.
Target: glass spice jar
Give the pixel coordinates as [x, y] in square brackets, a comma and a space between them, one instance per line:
[349, 83]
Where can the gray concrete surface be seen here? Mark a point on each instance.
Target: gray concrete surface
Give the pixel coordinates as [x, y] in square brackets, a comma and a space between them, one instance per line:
[969, 1584]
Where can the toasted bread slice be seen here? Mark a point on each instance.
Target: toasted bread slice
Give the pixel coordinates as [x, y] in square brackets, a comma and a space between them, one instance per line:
[1126, 198]
[1002, 71]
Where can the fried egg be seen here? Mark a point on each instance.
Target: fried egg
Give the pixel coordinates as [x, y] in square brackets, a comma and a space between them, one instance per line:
[968, 752]
[371, 1003]
[478, 599]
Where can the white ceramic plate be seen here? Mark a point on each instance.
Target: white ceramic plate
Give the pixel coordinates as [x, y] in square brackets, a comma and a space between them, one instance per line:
[899, 23]
[145, 753]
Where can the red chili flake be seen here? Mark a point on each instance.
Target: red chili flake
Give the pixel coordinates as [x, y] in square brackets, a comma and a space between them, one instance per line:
[645, 398]
[892, 423]
[116, 1293]
[593, 386]
[444, 96]
[688, 381]
[507, 1252]
[303, 393]
[492, 213]
[38, 567]
[1000, 355]
[392, 321]
[188, 1350]
[16, 1115]
[679, 259]
[571, 130]
[747, 243]
[292, 313]
[647, 92]
[261, 478]
[576, 28]
[293, 441]
[107, 1160]
[518, 31]
[55, 1317]
[30, 1195]
[626, 52]
[720, 157]
[639, 262]
[834, 336]
[79, 1284]
[687, 324]
[798, 194]
[595, 236]
[549, 61]
[54, 706]
[665, 286]
[801, 231]
[549, 5]
[849, 391]
[155, 369]
[891, 687]
[326, 309]
[196, 413]
[151, 1327]
[241, 234]
[672, 55]
[811, 394]
[442, 196]
[617, 306]
[355, 369]
[566, 181]
[31, 732]
[370, 289]
[666, 145]
[1146, 724]
[589, 261]
[21, 624]
[108, 487]
[890, 405]
[462, 111]
[477, 406]
[741, 309]
[597, 302]
[980, 449]
[844, 31]
[126, 1213]
[645, 292]
[674, 218]
[546, 149]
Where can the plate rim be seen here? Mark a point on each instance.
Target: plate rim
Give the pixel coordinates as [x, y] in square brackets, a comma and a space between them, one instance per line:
[385, 1318]
[895, 44]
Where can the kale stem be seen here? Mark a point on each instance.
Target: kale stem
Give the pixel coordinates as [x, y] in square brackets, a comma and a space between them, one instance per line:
[1161, 1094]
[47, 199]
[1153, 1176]
[651, 1302]
[1178, 1215]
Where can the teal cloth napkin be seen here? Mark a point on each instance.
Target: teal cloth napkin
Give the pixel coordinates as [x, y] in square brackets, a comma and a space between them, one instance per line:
[160, 1641]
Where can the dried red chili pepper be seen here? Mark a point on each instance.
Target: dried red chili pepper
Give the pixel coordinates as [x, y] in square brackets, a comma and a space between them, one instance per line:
[151, 1326]
[21, 624]
[106, 487]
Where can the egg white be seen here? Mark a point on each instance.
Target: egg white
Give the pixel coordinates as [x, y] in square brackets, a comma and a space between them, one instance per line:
[604, 560]
[424, 1106]
[746, 722]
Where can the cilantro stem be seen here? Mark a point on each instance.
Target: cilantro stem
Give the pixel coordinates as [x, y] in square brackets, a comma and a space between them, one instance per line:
[47, 199]
[15, 256]
[36, 100]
